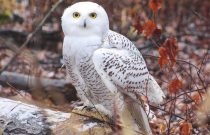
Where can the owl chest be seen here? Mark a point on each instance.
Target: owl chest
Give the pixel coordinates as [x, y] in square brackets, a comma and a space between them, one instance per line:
[89, 74]
[84, 67]
[93, 80]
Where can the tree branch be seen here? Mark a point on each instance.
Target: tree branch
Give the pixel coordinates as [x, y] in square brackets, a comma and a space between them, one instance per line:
[26, 81]
[29, 37]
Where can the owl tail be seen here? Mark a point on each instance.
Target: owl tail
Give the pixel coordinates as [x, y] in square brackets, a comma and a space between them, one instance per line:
[135, 107]
[138, 114]
[154, 92]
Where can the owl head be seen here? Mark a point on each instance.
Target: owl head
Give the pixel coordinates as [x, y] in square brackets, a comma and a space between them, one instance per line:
[85, 19]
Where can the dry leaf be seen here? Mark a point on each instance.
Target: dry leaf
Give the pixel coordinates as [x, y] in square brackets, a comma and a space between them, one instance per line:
[155, 5]
[163, 60]
[196, 98]
[137, 25]
[148, 28]
[168, 52]
[172, 50]
[157, 32]
[162, 128]
[175, 85]
[185, 128]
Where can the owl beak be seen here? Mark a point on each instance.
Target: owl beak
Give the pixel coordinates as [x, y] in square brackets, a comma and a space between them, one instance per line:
[84, 25]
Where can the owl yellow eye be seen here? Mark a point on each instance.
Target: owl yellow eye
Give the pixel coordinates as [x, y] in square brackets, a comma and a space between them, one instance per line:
[76, 15]
[93, 15]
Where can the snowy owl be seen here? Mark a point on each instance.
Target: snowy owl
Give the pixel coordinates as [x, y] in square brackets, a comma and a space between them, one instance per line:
[103, 65]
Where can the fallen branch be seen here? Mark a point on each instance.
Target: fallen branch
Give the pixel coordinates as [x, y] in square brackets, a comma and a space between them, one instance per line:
[20, 118]
[22, 81]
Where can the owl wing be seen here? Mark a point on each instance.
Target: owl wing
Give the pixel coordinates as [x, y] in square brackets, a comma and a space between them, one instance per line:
[120, 68]
[123, 66]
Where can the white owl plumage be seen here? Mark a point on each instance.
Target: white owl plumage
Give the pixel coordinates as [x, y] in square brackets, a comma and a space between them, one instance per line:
[102, 63]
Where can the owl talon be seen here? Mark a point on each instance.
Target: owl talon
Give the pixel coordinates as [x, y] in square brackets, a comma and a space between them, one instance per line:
[88, 108]
[77, 104]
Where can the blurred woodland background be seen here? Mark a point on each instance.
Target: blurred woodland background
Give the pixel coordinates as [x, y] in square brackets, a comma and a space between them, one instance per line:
[183, 25]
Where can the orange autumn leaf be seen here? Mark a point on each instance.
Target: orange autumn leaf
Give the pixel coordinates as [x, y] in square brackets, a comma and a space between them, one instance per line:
[196, 98]
[172, 50]
[155, 5]
[148, 28]
[163, 128]
[137, 25]
[175, 85]
[157, 32]
[163, 60]
[185, 128]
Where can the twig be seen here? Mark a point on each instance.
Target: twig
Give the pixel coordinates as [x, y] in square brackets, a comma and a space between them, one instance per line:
[199, 71]
[29, 37]
[181, 95]
[191, 33]
[178, 60]
[166, 111]
[199, 15]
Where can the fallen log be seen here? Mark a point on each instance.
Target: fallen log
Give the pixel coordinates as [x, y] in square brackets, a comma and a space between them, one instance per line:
[18, 118]
[58, 90]
[26, 81]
